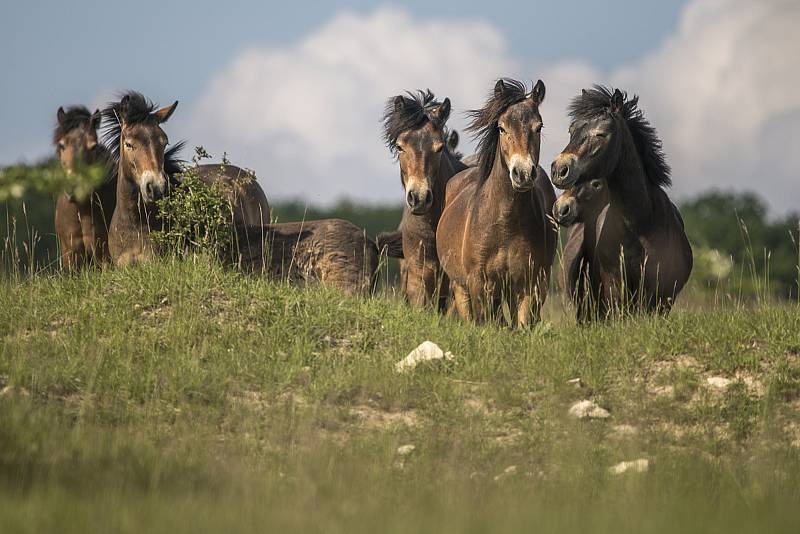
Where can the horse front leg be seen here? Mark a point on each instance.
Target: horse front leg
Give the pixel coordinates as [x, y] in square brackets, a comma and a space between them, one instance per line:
[528, 299]
[461, 301]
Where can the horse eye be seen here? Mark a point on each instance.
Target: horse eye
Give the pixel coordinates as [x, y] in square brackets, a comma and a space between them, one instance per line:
[398, 148]
[128, 145]
[538, 129]
[61, 146]
[501, 129]
[600, 135]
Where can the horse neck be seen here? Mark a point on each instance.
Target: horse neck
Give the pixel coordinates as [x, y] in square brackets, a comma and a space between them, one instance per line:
[128, 200]
[499, 193]
[629, 185]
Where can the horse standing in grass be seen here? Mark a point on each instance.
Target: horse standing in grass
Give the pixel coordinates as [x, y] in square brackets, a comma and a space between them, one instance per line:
[81, 222]
[627, 248]
[145, 169]
[495, 239]
[414, 130]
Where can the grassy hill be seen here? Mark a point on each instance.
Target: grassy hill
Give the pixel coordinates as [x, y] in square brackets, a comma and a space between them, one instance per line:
[179, 397]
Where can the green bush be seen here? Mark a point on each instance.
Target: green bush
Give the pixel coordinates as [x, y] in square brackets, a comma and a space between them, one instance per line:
[196, 218]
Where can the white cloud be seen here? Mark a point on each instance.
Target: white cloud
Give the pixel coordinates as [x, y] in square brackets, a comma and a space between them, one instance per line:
[722, 90]
[723, 93]
[306, 118]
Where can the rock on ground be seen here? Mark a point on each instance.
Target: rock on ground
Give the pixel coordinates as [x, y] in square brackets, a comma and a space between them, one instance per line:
[427, 351]
[718, 382]
[587, 409]
[642, 465]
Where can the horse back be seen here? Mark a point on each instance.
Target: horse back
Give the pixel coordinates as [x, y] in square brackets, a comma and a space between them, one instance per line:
[247, 198]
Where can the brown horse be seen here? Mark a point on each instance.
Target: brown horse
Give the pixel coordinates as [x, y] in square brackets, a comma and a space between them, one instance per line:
[81, 222]
[414, 130]
[332, 252]
[495, 239]
[627, 248]
[145, 169]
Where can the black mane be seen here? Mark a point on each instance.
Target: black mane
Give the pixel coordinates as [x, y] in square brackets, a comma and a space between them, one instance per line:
[74, 117]
[138, 111]
[414, 113]
[484, 122]
[597, 101]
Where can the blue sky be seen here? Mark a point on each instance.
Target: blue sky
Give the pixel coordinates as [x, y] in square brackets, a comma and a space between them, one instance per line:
[242, 69]
[54, 53]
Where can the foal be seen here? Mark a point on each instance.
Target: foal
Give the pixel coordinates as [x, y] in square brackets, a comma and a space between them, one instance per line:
[627, 248]
[495, 238]
[81, 221]
[414, 130]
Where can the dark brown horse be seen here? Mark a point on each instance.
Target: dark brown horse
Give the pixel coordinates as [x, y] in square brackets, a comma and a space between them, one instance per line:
[146, 169]
[627, 248]
[496, 239]
[414, 130]
[332, 252]
[82, 219]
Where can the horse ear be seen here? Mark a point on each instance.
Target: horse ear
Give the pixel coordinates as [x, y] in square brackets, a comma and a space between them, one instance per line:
[163, 114]
[95, 119]
[441, 113]
[61, 114]
[399, 103]
[617, 100]
[537, 93]
[452, 140]
[499, 87]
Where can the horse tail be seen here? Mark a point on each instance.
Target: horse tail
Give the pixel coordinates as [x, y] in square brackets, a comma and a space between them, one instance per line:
[391, 242]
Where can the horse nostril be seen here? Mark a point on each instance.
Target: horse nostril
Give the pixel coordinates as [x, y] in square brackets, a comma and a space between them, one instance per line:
[563, 210]
[563, 172]
[411, 199]
[149, 190]
[428, 198]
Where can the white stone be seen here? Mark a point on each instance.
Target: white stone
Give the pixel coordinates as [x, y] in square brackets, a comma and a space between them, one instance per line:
[509, 471]
[642, 465]
[718, 382]
[588, 409]
[405, 450]
[427, 351]
[577, 382]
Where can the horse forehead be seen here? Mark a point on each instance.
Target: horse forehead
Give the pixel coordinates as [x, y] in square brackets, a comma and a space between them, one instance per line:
[421, 137]
[145, 132]
[521, 114]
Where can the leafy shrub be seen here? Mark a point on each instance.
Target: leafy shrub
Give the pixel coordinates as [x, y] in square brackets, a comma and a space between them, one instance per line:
[196, 217]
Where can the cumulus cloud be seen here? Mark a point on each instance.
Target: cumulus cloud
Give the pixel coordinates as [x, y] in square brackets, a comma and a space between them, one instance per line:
[306, 117]
[721, 90]
[723, 93]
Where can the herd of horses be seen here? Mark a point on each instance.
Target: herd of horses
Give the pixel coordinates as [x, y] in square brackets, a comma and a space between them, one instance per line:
[478, 235]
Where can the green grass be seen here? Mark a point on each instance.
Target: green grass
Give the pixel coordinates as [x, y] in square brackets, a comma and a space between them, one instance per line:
[179, 397]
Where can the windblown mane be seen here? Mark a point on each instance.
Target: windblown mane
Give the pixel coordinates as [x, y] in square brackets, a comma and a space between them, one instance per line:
[484, 122]
[138, 111]
[414, 113]
[597, 101]
[74, 117]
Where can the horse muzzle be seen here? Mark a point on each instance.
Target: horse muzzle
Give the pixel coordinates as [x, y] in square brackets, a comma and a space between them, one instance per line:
[565, 211]
[152, 186]
[564, 172]
[419, 201]
[521, 172]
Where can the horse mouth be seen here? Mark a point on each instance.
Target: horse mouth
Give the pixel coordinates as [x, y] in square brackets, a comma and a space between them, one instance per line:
[522, 187]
